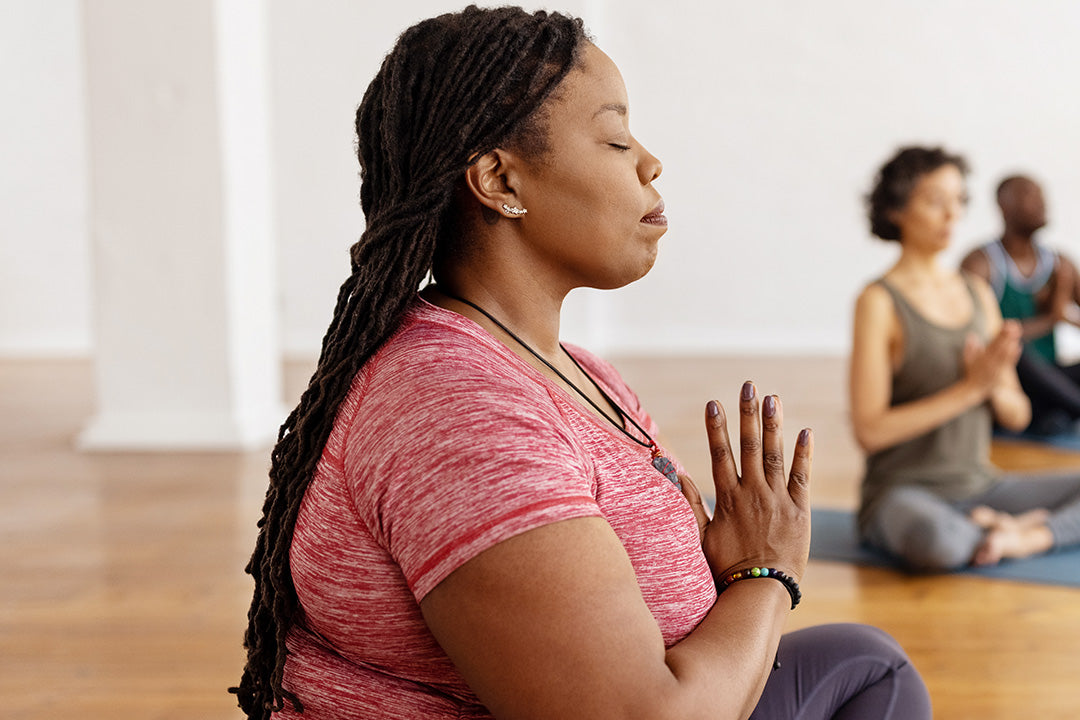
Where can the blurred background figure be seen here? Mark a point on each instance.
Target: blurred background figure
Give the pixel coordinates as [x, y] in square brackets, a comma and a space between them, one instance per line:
[932, 365]
[1037, 286]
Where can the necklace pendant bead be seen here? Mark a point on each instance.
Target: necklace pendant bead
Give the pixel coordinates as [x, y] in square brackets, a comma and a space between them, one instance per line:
[667, 469]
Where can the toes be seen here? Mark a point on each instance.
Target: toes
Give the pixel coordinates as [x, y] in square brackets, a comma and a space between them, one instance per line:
[990, 551]
[984, 516]
[1035, 517]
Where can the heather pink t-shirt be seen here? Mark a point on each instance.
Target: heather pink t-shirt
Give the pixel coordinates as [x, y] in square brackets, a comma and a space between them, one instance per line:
[447, 444]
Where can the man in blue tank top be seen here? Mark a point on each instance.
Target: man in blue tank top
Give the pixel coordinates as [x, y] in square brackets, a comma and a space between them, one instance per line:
[1038, 287]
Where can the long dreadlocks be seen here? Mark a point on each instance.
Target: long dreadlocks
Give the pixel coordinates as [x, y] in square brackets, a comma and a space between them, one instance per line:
[453, 88]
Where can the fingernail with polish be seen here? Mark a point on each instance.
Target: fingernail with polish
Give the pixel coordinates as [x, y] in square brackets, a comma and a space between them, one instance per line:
[712, 408]
[769, 405]
[804, 436]
[748, 390]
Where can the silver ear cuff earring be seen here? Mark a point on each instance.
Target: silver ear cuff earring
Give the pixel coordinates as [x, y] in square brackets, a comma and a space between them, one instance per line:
[513, 210]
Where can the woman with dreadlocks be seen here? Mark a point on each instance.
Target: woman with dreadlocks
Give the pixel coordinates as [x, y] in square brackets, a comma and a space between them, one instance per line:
[467, 518]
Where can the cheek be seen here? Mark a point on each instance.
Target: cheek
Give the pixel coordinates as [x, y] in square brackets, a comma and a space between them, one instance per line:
[587, 208]
[927, 218]
[601, 198]
[567, 195]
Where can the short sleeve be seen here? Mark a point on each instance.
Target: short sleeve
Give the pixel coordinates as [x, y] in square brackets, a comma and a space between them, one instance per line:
[453, 450]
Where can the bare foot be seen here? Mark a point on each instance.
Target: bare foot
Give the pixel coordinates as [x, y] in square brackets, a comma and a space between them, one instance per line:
[1032, 518]
[988, 518]
[1013, 539]
[984, 516]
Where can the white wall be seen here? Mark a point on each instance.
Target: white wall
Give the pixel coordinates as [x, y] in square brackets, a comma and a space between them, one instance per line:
[180, 168]
[44, 241]
[770, 119]
[323, 56]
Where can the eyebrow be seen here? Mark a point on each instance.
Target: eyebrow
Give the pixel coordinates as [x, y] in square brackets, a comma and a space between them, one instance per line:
[611, 107]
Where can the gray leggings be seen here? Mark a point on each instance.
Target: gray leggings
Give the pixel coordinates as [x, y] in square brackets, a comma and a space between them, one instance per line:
[932, 534]
[842, 672]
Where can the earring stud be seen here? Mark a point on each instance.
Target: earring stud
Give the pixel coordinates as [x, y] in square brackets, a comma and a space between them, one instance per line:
[514, 210]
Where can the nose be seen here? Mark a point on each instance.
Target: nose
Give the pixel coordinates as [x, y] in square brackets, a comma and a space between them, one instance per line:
[649, 167]
[954, 210]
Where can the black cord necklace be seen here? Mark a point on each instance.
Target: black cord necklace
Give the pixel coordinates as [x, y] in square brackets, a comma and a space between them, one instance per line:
[663, 464]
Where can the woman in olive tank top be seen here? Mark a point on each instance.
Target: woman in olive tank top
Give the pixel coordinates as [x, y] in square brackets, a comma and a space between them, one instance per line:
[932, 367]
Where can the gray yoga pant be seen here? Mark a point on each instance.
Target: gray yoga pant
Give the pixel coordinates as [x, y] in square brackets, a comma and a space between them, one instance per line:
[932, 534]
[842, 672]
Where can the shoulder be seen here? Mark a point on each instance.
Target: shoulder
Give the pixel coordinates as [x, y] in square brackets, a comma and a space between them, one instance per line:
[982, 291]
[981, 250]
[437, 348]
[874, 298]
[977, 283]
[881, 312]
[875, 319]
[597, 366]
[606, 374]
[440, 375]
[1063, 261]
[977, 261]
[442, 393]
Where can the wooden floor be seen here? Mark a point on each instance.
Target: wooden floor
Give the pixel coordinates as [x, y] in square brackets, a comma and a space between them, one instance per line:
[122, 593]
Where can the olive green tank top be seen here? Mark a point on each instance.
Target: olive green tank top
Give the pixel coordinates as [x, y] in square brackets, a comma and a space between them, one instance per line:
[951, 460]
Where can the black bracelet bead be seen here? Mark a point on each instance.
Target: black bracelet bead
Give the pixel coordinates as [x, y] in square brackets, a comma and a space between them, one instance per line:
[761, 572]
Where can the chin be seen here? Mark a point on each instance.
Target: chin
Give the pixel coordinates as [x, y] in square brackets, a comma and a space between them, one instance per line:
[625, 277]
[641, 271]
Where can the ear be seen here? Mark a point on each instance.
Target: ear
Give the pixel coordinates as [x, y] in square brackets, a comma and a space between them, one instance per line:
[494, 181]
[893, 215]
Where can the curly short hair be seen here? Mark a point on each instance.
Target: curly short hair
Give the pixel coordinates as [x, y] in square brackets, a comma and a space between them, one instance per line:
[897, 178]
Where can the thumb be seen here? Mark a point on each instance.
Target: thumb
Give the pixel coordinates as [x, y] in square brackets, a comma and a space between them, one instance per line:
[1011, 329]
[972, 346]
[690, 492]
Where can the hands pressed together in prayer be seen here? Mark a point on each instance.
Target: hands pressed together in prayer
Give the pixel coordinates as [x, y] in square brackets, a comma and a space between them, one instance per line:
[762, 517]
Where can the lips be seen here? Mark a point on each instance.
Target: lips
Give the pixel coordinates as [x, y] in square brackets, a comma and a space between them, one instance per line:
[656, 217]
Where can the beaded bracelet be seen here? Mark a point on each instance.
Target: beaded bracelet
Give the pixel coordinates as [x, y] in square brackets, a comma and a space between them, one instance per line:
[761, 572]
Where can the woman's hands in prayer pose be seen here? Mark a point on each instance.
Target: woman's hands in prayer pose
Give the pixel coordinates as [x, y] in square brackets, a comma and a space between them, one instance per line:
[762, 517]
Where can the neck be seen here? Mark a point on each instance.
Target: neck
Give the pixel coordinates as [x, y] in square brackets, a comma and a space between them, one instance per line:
[1017, 242]
[620, 416]
[529, 312]
[916, 262]
[499, 267]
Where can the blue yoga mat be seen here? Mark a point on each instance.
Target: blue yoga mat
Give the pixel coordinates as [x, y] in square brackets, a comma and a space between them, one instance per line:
[834, 538]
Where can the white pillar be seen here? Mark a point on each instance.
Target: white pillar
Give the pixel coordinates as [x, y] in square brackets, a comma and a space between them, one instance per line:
[185, 314]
